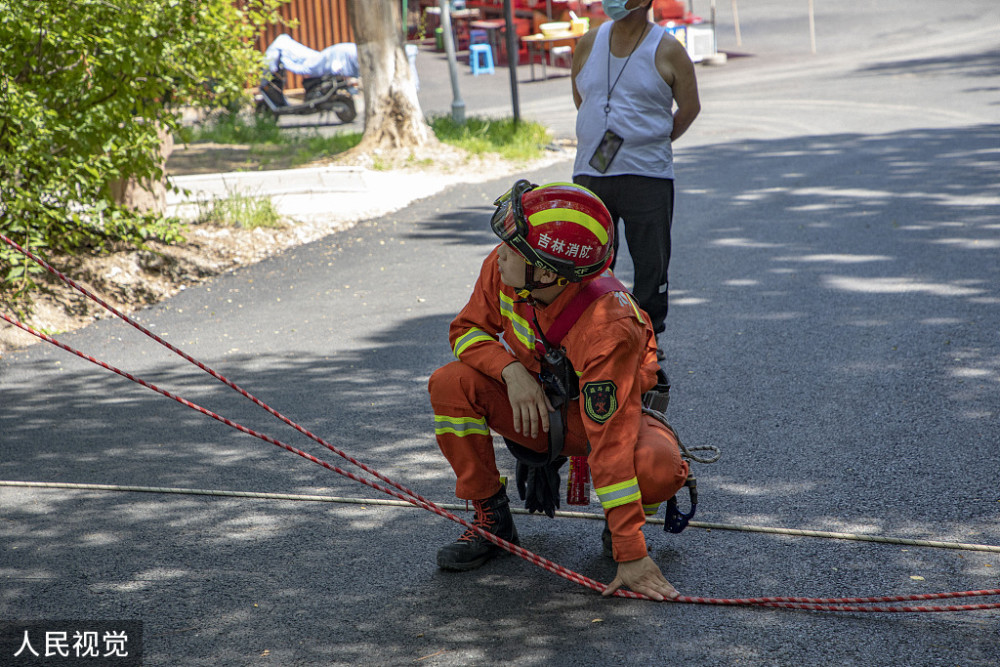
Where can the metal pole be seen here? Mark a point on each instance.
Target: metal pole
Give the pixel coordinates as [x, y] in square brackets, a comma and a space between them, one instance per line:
[512, 57]
[812, 28]
[736, 23]
[457, 104]
[715, 37]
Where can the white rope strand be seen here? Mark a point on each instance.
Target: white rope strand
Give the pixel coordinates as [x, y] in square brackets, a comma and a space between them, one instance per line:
[935, 544]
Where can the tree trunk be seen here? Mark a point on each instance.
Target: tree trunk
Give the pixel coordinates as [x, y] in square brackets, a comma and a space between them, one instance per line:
[393, 118]
[147, 195]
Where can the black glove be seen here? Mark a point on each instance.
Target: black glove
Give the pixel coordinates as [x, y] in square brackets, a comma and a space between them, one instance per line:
[539, 486]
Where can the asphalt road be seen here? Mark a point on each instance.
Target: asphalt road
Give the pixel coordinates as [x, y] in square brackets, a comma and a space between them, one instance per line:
[834, 330]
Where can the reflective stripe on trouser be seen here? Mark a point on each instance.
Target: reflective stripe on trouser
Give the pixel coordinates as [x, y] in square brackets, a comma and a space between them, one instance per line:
[619, 494]
[465, 401]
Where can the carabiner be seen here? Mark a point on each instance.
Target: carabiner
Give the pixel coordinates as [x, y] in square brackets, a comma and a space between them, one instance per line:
[676, 521]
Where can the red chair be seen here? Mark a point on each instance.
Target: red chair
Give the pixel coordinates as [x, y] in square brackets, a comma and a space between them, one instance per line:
[666, 11]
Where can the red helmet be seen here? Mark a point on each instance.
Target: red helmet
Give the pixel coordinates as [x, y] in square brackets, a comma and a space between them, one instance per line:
[562, 227]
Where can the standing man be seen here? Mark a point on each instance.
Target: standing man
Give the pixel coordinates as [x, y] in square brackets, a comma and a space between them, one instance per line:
[627, 76]
[557, 239]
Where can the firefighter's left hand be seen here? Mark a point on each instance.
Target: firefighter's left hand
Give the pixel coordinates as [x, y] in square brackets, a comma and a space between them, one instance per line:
[642, 576]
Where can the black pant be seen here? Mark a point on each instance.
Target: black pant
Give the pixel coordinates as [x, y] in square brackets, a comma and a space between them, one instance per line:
[646, 206]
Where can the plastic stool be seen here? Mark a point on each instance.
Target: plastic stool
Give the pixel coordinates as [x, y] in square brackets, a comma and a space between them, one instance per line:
[558, 53]
[481, 58]
[478, 37]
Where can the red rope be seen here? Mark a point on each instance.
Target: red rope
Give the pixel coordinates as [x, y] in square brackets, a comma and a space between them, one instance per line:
[856, 604]
[93, 297]
[413, 499]
[816, 604]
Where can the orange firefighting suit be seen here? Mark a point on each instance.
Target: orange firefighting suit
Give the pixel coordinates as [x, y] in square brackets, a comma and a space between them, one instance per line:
[634, 460]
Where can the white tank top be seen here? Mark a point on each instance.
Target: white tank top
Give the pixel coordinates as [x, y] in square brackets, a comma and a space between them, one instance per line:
[641, 109]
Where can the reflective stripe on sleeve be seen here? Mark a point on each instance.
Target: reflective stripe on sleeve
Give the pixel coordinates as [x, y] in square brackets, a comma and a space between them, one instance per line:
[621, 493]
[471, 337]
[460, 426]
[521, 327]
[635, 309]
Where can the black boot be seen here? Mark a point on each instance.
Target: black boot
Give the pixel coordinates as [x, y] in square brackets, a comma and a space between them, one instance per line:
[472, 550]
[606, 548]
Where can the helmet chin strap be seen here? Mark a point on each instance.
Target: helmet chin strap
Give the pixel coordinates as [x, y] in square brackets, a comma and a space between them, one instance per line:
[530, 284]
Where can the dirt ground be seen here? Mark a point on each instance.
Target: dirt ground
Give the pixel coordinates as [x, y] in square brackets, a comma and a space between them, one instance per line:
[131, 278]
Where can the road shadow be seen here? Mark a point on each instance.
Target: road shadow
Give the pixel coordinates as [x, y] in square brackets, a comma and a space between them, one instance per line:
[839, 293]
[833, 329]
[983, 64]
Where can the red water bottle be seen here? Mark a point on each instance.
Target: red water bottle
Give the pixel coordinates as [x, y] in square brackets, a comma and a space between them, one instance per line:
[578, 485]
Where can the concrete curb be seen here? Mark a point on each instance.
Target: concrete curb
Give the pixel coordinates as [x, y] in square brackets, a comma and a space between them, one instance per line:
[311, 180]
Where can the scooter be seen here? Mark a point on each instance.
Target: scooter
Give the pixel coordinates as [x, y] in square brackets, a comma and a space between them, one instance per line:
[322, 94]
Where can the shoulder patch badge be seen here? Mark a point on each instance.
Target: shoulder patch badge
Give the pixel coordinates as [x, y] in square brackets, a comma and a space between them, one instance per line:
[600, 400]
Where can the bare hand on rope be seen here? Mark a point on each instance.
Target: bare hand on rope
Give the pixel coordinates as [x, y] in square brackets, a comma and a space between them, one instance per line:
[642, 576]
[527, 399]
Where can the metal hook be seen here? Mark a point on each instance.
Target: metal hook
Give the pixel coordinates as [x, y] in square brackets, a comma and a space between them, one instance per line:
[676, 521]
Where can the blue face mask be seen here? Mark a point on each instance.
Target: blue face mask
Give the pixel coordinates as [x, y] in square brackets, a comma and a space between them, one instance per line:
[615, 9]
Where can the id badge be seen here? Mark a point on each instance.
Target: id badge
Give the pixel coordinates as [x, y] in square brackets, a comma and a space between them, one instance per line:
[606, 150]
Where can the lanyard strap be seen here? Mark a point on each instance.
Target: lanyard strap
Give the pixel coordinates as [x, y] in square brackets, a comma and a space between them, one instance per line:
[611, 86]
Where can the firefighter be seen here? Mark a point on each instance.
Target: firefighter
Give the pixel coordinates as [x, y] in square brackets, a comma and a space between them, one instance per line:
[555, 238]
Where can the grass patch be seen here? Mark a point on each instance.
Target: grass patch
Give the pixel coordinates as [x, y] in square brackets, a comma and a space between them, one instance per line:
[225, 127]
[240, 210]
[270, 144]
[524, 140]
